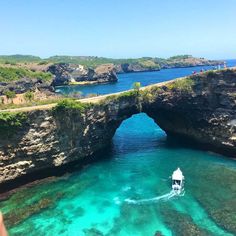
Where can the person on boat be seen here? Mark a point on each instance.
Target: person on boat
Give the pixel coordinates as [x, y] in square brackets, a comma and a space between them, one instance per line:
[3, 231]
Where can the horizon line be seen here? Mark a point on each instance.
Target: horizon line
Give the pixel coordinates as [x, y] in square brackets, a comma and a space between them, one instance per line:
[116, 58]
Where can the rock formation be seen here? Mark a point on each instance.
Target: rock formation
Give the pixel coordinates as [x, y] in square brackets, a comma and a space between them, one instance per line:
[26, 84]
[134, 67]
[156, 64]
[202, 111]
[69, 73]
[200, 108]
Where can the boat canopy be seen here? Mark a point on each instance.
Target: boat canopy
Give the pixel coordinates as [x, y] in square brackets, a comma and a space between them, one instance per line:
[177, 175]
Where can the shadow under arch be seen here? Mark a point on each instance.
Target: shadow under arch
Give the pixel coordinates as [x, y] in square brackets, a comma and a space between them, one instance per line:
[136, 133]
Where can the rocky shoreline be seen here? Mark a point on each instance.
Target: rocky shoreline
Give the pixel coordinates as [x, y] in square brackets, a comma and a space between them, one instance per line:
[66, 74]
[78, 74]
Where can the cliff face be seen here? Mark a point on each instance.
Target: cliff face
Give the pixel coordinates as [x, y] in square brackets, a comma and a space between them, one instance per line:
[19, 80]
[69, 73]
[135, 67]
[188, 61]
[199, 108]
[25, 84]
[48, 138]
[204, 113]
[156, 64]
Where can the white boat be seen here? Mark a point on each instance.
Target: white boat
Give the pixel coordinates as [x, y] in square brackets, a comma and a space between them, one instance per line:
[177, 181]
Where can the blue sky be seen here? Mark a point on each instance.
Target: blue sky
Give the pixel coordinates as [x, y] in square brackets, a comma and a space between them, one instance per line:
[119, 28]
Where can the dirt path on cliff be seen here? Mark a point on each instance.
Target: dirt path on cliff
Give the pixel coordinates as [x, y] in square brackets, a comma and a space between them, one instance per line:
[84, 100]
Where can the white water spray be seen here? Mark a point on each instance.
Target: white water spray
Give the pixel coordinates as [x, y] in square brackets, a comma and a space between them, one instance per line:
[164, 197]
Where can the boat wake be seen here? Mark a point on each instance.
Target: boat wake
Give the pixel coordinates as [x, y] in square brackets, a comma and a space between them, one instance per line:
[164, 197]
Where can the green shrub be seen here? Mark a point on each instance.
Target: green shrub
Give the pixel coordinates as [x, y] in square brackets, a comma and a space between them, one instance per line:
[10, 63]
[136, 86]
[184, 85]
[70, 104]
[127, 94]
[29, 96]
[13, 74]
[10, 122]
[43, 63]
[10, 94]
[150, 64]
[147, 96]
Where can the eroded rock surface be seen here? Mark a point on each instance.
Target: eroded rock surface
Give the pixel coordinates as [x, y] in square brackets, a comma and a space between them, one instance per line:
[26, 84]
[204, 113]
[69, 73]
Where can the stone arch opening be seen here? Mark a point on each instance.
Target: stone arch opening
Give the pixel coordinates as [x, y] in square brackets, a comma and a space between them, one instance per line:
[138, 132]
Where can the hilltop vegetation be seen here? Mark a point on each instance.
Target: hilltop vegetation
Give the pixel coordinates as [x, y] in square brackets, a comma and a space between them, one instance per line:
[96, 61]
[91, 61]
[8, 74]
[13, 59]
[22, 73]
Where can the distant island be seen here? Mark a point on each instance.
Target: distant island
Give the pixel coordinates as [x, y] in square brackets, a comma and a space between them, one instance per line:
[20, 74]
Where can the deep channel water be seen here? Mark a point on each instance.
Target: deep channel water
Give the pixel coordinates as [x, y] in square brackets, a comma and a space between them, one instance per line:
[91, 201]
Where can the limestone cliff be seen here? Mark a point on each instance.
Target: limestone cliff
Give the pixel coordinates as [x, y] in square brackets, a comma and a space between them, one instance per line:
[155, 64]
[69, 73]
[200, 108]
[50, 138]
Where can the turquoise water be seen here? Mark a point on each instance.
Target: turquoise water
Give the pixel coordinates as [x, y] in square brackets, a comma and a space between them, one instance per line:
[137, 166]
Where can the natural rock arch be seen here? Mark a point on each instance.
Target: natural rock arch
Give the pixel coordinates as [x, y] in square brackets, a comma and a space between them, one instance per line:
[200, 108]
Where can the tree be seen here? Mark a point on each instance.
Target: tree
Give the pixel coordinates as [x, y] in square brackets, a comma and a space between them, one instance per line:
[10, 95]
[136, 86]
[29, 96]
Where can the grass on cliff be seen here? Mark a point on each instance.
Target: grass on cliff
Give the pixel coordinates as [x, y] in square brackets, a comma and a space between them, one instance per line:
[184, 85]
[8, 74]
[10, 122]
[13, 59]
[96, 61]
[70, 104]
[150, 64]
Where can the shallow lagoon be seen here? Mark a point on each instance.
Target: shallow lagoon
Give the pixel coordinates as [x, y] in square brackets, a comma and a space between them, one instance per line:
[137, 166]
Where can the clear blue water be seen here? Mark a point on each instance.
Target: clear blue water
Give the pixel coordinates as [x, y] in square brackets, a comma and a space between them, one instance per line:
[137, 166]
